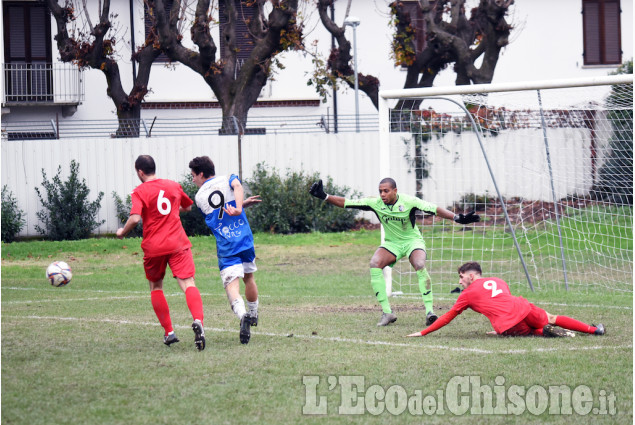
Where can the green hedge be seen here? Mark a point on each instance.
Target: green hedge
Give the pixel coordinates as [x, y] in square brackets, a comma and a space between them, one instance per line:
[287, 206]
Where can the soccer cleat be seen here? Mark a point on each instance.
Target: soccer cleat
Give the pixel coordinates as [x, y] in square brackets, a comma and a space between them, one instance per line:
[254, 320]
[431, 318]
[387, 319]
[599, 329]
[170, 339]
[550, 331]
[245, 331]
[199, 335]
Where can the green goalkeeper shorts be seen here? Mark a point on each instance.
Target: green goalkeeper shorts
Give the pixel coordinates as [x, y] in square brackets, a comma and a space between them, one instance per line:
[403, 248]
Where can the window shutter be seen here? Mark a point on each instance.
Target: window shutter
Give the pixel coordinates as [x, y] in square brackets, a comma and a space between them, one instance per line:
[612, 45]
[417, 22]
[591, 14]
[38, 34]
[17, 42]
[602, 34]
[148, 20]
[243, 39]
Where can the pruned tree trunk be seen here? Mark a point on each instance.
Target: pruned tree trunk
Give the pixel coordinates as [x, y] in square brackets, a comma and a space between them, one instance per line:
[95, 50]
[236, 80]
[459, 41]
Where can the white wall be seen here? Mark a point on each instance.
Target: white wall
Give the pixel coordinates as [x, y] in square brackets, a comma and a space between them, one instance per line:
[107, 165]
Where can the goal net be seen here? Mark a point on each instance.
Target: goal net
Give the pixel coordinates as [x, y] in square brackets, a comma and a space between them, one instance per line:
[548, 166]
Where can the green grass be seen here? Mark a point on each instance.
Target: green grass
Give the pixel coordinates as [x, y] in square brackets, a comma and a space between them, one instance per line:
[92, 352]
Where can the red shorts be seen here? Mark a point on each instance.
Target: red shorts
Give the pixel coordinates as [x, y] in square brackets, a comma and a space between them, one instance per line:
[181, 263]
[535, 320]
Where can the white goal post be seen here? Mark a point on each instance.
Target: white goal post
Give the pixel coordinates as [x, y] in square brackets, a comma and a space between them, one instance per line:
[546, 164]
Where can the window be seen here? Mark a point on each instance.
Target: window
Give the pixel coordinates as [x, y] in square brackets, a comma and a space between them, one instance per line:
[602, 35]
[147, 20]
[244, 41]
[27, 52]
[413, 8]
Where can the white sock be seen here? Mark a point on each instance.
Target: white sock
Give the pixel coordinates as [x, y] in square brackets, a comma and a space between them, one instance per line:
[253, 308]
[238, 306]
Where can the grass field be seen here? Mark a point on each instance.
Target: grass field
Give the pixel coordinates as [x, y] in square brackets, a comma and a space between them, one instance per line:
[92, 352]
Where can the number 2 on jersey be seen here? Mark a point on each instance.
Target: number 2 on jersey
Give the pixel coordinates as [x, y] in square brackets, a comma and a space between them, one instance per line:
[219, 205]
[490, 284]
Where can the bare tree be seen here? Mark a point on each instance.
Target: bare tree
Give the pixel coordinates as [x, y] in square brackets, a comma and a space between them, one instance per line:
[236, 79]
[93, 46]
[449, 37]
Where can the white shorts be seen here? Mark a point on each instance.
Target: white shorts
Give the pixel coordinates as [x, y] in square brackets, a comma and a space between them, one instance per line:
[236, 271]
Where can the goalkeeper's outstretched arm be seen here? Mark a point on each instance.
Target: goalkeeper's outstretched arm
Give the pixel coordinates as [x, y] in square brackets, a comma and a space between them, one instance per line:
[317, 190]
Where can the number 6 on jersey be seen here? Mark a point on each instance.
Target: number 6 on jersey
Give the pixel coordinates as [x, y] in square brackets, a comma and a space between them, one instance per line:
[163, 204]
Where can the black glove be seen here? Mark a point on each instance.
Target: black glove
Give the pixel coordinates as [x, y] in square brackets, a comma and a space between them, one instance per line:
[468, 218]
[317, 190]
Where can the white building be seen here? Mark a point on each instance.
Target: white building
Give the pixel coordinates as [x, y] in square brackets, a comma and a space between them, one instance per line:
[547, 42]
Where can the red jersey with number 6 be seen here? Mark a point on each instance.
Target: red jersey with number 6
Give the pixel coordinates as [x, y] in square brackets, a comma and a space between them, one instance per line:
[157, 202]
[491, 297]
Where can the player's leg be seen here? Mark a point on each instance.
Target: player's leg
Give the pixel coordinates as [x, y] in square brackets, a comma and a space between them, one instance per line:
[231, 277]
[575, 325]
[417, 257]
[155, 271]
[251, 290]
[182, 266]
[382, 258]
[251, 294]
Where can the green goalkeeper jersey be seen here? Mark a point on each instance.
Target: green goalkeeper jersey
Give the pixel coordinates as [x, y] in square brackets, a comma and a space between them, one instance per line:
[398, 219]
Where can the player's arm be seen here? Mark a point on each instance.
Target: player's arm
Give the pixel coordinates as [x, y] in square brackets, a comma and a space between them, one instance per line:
[182, 210]
[468, 218]
[239, 195]
[438, 324]
[252, 200]
[317, 190]
[133, 220]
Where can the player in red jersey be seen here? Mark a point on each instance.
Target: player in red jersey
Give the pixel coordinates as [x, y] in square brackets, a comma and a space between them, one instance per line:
[158, 202]
[509, 315]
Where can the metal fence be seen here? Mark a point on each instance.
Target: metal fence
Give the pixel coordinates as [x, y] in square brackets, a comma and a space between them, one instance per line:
[159, 127]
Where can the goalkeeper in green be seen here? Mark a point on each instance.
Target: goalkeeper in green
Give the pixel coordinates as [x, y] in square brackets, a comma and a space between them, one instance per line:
[396, 213]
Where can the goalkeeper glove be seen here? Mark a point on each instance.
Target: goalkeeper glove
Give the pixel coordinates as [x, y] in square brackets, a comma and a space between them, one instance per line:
[317, 190]
[467, 218]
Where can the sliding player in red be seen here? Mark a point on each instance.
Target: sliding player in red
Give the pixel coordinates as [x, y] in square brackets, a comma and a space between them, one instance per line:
[509, 315]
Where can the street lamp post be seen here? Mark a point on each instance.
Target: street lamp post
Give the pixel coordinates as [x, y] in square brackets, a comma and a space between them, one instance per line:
[354, 22]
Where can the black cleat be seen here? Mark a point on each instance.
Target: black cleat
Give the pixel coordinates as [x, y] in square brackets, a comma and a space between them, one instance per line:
[199, 335]
[170, 339]
[550, 331]
[245, 328]
[431, 318]
[599, 329]
[254, 320]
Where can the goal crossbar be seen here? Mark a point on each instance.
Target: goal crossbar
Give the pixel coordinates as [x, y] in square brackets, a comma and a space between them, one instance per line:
[503, 87]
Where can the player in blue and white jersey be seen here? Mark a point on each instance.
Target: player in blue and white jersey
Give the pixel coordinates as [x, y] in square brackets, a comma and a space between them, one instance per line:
[220, 199]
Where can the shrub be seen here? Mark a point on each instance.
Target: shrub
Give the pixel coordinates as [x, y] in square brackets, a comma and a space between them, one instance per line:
[123, 212]
[193, 221]
[12, 216]
[287, 206]
[67, 213]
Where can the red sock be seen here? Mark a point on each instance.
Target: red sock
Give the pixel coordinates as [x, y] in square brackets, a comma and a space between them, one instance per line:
[574, 325]
[194, 302]
[161, 309]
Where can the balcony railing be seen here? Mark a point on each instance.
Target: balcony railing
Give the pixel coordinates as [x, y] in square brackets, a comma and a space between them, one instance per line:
[42, 83]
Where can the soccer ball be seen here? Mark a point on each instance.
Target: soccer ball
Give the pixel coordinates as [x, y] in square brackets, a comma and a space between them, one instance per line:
[59, 273]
